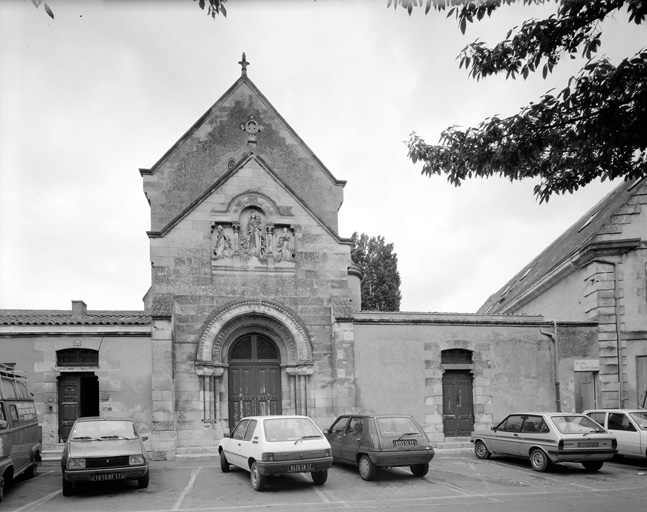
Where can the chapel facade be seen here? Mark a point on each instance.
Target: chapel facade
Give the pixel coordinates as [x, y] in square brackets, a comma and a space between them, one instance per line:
[254, 308]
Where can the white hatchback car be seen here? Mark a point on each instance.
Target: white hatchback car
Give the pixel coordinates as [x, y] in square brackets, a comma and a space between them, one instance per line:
[629, 426]
[276, 445]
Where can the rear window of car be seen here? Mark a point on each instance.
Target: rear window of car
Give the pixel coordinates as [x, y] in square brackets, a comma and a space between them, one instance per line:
[396, 426]
[290, 429]
[575, 424]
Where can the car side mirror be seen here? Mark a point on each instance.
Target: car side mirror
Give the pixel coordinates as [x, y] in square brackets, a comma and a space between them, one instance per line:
[493, 429]
[3, 423]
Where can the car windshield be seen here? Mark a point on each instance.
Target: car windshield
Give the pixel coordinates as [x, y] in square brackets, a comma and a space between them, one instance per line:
[290, 429]
[640, 418]
[576, 424]
[103, 430]
[397, 427]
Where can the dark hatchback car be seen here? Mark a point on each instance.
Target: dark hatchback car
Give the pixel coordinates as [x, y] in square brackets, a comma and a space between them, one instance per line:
[103, 449]
[380, 441]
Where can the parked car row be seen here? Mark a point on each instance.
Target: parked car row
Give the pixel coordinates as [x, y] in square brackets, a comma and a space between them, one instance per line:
[275, 445]
[106, 449]
[590, 438]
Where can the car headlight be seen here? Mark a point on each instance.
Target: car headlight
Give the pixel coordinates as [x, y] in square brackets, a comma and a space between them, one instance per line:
[327, 453]
[268, 457]
[75, 463]
[135, 460]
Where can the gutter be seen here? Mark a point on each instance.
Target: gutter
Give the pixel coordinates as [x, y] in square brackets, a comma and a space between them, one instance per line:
[553, 337]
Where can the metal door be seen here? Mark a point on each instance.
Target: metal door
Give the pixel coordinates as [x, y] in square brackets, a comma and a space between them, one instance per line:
[458, 415]
[254, 379]
[585, 391]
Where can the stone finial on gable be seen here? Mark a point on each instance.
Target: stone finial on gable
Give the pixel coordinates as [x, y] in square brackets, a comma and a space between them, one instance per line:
[243, 64]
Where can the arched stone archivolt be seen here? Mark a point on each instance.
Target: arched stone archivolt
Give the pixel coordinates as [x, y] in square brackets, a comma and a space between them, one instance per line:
[271, 318]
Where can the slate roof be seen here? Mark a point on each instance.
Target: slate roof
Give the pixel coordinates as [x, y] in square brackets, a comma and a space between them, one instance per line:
[60, 317]
[577, 237]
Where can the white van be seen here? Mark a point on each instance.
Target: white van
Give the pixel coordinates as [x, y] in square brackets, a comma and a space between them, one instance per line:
[20, 434]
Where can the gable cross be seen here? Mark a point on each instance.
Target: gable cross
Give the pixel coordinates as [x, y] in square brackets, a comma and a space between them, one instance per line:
[243, 64]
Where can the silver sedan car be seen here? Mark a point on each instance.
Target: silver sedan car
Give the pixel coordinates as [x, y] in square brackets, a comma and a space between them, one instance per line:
[547, 437]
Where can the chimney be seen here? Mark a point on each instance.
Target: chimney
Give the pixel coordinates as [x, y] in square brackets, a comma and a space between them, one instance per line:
[79, 308]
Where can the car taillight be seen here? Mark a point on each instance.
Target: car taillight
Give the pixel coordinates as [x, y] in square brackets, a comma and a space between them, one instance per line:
[135, 460]
[268, 457]
[76, 464]
[614, 443]
[560, 445]
[327, 453]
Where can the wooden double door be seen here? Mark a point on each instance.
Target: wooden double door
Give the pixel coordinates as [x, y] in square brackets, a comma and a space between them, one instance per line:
[458, 404]
[254, 378]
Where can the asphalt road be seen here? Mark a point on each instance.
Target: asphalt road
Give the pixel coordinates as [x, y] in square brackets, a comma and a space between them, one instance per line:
[454, 483]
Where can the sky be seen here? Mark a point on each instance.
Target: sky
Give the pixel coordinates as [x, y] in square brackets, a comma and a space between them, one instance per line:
[107, 87]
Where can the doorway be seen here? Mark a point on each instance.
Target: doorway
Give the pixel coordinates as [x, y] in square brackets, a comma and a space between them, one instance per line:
[586, 391]
[458, 414]
[254, 378]
[78, 396]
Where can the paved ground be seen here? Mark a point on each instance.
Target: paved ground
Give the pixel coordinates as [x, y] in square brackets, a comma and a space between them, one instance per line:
[456, 482]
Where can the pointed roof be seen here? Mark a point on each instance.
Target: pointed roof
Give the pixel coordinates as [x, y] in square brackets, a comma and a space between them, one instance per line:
[578, 245]
[204, 154]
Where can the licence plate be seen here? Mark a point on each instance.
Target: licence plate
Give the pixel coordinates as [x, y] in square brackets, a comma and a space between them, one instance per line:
[405, 442]
[301, 467]
[106, 476]
[589, 444]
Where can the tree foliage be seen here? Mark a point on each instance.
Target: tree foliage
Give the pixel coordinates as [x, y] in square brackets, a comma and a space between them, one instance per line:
[38, 3]
[214, 7]
[379, 266]
[593, 128]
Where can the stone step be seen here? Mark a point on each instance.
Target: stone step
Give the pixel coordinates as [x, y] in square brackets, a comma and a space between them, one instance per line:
[52, 455]
[454, 445]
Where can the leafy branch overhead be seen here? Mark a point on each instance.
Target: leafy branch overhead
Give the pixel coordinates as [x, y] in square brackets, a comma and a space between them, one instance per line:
[594, 128]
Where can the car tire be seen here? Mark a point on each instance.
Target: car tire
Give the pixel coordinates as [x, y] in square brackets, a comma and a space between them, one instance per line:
[258, 480]
[224, 463]
[539, 460]
[1, 490]
[319, 477]
[142, 482]
[367, 469]
[481, 451]
[68, 488]
[32, 471]
[593, 465]
[419, 470]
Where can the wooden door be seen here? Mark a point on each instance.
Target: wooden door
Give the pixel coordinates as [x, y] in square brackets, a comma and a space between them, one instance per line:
[458, 415]
[69, 397]
[254, 379]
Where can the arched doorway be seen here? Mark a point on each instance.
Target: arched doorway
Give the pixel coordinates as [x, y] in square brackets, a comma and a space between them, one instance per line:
[254, 378]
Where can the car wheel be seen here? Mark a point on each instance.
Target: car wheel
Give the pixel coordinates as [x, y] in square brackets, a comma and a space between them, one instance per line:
[258, 480]
[367, 469]
[319, 477]
[142, 482]
[68, 488]
[539, 460]
[1, 490]
[32, 471]
[224, 464]
[419, 470]
[481, 451]
[593, 465]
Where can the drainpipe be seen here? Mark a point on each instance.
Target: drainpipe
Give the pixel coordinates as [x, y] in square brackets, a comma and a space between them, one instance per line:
[616, 305]
[553, 337]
